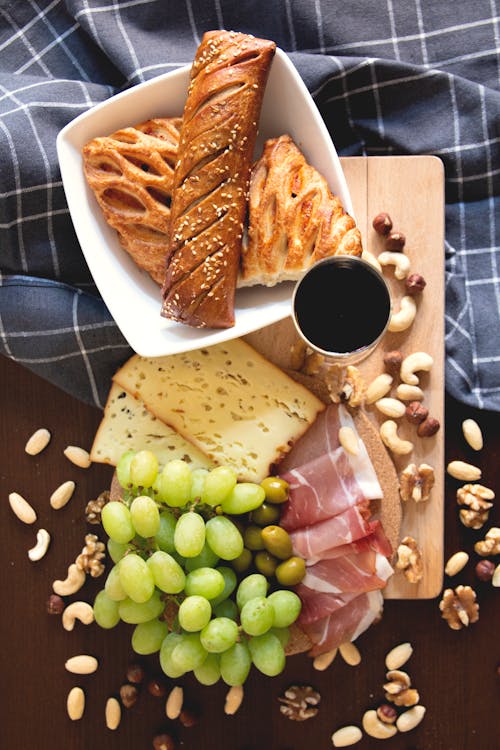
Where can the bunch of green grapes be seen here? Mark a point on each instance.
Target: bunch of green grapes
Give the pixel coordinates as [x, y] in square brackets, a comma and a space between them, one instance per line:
[170, 542]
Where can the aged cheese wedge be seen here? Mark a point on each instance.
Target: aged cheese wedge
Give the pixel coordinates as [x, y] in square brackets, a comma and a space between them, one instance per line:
[234, 405]
[128, 425]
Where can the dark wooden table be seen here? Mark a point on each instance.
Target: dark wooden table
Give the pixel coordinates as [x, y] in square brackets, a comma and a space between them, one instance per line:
[456, 673]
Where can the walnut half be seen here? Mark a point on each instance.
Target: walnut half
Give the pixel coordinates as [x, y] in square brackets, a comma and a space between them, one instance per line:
[476, 498]
[345, 385]
[398, 690]
[415, 483]
[299, 702]
[490, 545]
[459, 607]
[91, 556]
[410, 560]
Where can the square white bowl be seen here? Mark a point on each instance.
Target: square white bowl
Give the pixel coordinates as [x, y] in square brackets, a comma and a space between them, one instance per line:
[131, 296]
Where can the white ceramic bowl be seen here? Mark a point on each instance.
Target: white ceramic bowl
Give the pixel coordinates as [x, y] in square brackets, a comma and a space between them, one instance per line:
[130, 295]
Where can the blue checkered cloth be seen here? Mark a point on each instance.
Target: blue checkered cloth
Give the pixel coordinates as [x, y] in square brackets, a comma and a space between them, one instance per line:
[389, 77]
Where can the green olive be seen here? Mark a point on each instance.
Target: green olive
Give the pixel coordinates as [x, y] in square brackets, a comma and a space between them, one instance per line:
[276, 489]
[252, 538]
[291, 572]
[265, 563]
[266, 514]
[243, 561]
[277, 541]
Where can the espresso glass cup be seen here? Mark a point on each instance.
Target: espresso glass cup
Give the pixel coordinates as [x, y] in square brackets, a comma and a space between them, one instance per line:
[341, 308]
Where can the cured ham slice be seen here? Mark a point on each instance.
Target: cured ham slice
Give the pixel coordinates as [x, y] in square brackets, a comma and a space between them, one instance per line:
[377, 539]
[345, 624]
[322, 437]
[316, 605]
[346, 527]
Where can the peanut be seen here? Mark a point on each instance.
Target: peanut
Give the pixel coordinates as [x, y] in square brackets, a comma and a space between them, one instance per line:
[463, 471]
[37, 442]
[472, 434]
[456, 563]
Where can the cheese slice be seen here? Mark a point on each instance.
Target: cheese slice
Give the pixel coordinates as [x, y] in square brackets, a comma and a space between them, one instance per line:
[128, 425]
[234, 405]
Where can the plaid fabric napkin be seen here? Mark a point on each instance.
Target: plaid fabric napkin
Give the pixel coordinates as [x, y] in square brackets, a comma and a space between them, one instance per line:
[393, 77]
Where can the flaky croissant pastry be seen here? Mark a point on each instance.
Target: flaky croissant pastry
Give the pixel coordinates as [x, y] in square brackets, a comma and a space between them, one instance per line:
[294, 219]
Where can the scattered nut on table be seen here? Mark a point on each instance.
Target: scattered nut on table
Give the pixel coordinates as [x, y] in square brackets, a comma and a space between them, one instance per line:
[378, 388]
[463, 471]
[387, 713]
[395, 241]
[416, 412]
[71, 584]
[398, 656]
[428, 427]
[173, 705]
[75, 703]
[37, 442]
[484, 570]
[346, 736]
[391, 439]
[113, 713]
[490, 545]
[391, 407]
[476, 497]
[472, 434]
[456, 563]
[400, 262]
[42, 544]
[91, 556]
[495, 579]
[404, 317]
[94, 508]
[299, 702]
[128, 695]
[163, 742]
[345, 385]
[410, 719]
[459, 607]
[21, 508]
[324, 660]
[382, 223]
[234, 699]
[376, 728]
[78, 456]
[82, 664]
[407, 392]
[415, 283]
[415, 362]
[409, 560]
[350, 653]
[371, 259]
[416, 483]
[81, 611]
[398, 689]
[55, 605]
[62, 495]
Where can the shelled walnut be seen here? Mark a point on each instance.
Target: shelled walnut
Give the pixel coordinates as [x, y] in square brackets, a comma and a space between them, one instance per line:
[345, 385]
[459, 607]
[415, 483]
[410, 560]
[476, 498]
[490, 545]
[299, 702]
[90, 558]
[94, 507]
[398, 689]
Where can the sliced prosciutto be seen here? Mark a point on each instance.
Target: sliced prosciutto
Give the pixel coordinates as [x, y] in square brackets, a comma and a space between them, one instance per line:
[346, 527]
[377, 539]
[322, 437]
[344, 624]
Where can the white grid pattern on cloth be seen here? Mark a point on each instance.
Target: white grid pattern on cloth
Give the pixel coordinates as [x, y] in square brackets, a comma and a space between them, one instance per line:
[366, 74]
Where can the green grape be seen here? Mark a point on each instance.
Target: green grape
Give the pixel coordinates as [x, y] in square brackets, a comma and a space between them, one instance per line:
[268, 654]
[235, 664]
[189, 535]
[117, 550]
[123, 469]
[206, 582]
[257, 616]
[106, 612]
[209, 672]
[167, 574]
[136, 578]
[219, 635]
[145, 516]
[188, 654]
[227, 608]
[206, 559]
[286, 606]
[230, 582]
[198, 477]
[134, 613]
[164, 537]
[253, 585]
[223, 538]
[282, 634]
[143, 469]
[218, 484]
[117, 523]
[243, 498]
[168, 645]
[174, 483]
[194, 613]
[113, 587]
[243, 561]
[148, 636]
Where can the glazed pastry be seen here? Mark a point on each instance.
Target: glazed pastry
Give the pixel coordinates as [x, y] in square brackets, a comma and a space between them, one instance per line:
[131, 173]
[209, 200]
[295, 220]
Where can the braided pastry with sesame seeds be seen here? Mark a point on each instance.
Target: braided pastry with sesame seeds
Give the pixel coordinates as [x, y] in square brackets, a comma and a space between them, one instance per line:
[211, 178]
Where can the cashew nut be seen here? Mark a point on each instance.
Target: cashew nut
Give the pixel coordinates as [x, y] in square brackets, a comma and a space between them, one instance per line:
[415, 363]
[72, 583]
[41, 546]
[376, 728]
[391, 439]
[400, 262]
[404, 317]
[77, 611]
[378, 388]
[371, 259]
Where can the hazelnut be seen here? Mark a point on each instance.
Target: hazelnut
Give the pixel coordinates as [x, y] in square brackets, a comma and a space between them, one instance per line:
[55, 605]
[188, 718]
[128, 695]
[395, 241]
[392, 362]
[387, 713]
[416, 413]
[382, 223]
[415, 283]
[484, 570]
[163, 742]
[428, 428]
[157, 688]
[135, 673]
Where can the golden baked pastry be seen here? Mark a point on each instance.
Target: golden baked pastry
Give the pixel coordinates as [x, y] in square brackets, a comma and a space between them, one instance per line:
[218, 133]
[294, 218]
[130, 173]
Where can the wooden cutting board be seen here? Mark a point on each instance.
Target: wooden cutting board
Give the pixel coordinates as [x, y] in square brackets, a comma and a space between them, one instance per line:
[411, 190]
